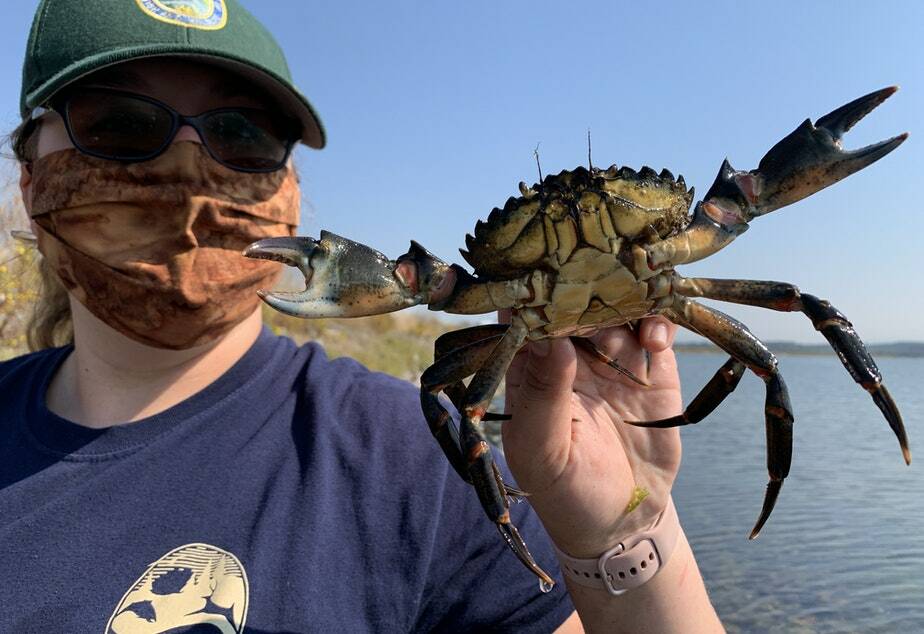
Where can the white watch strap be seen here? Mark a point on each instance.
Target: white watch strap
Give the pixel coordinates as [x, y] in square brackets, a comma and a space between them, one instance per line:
[630, 563]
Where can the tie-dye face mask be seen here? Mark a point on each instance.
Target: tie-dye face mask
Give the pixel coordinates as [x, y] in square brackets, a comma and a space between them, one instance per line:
[153, 249]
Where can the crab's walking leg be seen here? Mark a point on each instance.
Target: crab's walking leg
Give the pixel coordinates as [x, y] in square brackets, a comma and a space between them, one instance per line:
[826, 318]
[451, 366]
[455, 339]
[484, 473]
[591, 348]
[722, 384]
[735, 339]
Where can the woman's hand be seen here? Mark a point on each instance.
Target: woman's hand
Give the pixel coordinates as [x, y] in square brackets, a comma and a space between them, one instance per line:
[567, 444]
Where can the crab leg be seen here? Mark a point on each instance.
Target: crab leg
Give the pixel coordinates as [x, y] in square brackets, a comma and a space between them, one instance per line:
[455, 339]
[344, 278]
[804, 162]
[735, 339]
[450, 368]
[450, 342]
[480, 465]
[826, 318]
[722, 384]
[591, 348]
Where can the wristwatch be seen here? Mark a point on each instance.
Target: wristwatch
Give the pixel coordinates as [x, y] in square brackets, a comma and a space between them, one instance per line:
[630, 563]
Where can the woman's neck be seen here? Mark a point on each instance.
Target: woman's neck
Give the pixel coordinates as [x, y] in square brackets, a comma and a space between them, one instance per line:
[110, 379]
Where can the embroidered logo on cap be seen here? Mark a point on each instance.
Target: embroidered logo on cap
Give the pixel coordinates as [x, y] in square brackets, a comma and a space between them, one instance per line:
[209, 15]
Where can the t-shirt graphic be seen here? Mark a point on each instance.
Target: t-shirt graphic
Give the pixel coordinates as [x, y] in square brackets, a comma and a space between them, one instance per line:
[196, 584]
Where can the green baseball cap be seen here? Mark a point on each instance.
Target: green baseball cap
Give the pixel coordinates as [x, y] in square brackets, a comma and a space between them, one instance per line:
[70, 39]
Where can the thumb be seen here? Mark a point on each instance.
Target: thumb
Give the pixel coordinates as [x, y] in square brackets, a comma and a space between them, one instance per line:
[540, 392]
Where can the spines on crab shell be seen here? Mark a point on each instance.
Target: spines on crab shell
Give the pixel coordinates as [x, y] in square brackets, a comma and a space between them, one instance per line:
[511, 238]
[591, 207]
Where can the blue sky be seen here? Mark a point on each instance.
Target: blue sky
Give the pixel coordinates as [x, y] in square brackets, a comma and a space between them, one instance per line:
[433, 110]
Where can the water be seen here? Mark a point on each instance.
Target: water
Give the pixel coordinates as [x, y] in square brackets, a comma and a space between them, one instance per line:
[844, 548]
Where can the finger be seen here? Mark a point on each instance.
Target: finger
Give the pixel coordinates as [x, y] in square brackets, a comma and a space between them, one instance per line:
[657, 333]
[513, 378]
[541, 404]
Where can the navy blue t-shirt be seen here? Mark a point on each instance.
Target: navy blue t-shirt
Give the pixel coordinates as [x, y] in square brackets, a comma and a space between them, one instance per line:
[293, 494]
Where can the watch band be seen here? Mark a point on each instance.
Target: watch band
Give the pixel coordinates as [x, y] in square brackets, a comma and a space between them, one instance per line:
[630, 563]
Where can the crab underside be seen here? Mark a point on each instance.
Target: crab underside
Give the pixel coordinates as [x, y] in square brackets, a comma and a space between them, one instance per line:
[589, 249]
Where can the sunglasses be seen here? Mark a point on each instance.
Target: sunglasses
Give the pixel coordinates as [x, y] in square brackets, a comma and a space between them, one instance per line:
[127, 127]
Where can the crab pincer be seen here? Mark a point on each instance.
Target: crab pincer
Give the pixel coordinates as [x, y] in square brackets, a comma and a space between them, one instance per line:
[344, 278]
[807, 160]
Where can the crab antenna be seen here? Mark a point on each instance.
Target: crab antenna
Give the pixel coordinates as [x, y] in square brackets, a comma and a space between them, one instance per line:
[590, 163]
[539, 167]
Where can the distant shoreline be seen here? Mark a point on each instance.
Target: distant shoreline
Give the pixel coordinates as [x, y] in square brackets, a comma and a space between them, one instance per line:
[908, 349]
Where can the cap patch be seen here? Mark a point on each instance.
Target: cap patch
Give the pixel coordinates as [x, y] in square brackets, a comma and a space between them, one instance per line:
[209, 15]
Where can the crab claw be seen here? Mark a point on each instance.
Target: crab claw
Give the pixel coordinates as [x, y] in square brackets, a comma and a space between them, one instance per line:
[344, 278]
[809, 159]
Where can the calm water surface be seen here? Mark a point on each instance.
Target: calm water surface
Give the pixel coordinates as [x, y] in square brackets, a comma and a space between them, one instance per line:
[844, 548]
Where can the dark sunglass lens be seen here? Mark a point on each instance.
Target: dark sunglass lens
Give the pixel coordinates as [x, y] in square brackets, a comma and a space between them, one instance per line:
[117, 126]
[247, 139]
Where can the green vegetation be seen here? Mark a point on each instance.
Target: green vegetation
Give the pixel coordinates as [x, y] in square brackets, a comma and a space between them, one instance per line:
[18, 278]
[400, 344]
[878, 350]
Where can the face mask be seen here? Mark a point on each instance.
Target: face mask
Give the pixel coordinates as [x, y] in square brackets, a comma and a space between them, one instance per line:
[153, 249]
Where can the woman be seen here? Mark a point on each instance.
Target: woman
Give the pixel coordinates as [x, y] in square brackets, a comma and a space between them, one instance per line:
[179, 466]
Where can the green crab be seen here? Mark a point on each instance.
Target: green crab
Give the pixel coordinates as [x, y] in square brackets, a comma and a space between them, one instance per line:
[588, 249]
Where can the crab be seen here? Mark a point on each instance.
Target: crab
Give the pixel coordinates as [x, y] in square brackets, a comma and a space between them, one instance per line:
[588, 249]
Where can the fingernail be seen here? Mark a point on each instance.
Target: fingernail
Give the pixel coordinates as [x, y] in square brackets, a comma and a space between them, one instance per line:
[659, 334]
[540, 348]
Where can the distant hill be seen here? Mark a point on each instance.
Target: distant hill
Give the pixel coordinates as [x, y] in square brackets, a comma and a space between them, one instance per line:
[401, 344]
[896, 349]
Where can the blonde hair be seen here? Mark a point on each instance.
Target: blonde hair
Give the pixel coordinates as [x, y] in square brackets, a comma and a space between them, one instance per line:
[50, 322]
